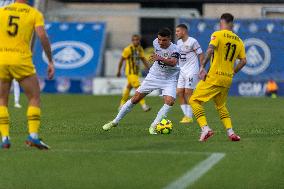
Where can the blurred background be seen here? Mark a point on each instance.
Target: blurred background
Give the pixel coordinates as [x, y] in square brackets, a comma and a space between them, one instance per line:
[88, 37]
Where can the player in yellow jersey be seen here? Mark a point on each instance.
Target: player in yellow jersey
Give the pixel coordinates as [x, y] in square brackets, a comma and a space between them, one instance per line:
[224, 48]
[18, 22]
[132, 55]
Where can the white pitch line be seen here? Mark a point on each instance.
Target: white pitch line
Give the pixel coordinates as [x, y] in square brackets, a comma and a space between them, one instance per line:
[128, 151]
[198, 171]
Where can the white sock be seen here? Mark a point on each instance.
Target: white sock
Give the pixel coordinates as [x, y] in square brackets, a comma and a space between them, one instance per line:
[123, 111]
[16, 91]
[189, 111]
[230, 132]
[161, 114]
[34, 135]
[184, 109]
[205, 128]
[4, 138]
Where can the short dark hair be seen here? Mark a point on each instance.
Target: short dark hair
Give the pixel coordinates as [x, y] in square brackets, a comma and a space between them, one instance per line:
[229, 18]
[135, 35]
[165, 32]
[182, 26]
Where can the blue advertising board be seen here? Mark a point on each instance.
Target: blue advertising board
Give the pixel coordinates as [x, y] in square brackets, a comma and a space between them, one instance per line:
[76, 47]
[264, 43]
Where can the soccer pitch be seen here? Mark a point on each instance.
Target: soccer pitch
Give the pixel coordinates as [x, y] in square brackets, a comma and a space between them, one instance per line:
[85, 156]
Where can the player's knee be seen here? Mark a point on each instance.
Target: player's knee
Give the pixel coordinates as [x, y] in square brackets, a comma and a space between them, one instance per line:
[170, 101]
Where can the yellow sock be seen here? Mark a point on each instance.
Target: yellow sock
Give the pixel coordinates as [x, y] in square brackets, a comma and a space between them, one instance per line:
[225, 117]
[4, 121]
[142, 102]
[199, 113]
[125, 96]
[33, 115]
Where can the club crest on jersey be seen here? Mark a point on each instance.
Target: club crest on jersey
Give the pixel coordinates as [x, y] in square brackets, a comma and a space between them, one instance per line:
[166, 55]
[70, 54]
[213, 37]
[258, 56]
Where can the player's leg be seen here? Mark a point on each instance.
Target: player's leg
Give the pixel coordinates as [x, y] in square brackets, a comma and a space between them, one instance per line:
[134, 79]
[169, 95]
[31, 88]
[168, 104]
[127, 107]
[16, 94]
[125, 94]
[220, 104]
[181, 97]
[203, 93]
[4, 115]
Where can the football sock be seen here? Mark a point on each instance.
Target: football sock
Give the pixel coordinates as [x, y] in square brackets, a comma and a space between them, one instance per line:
[161, 114]
[4, 121]
[230, 132]
[34, 135]
[125, 96]
[5, 138]
[189, 111]
[123, 111]
[225, 117]
[199, 113]
[184, 109]
[33, 115]
[16, 92]
[142, 102]
[205, 128]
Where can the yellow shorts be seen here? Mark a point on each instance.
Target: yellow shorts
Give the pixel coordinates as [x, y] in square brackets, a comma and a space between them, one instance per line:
[133, 80]
[205, 91]
[17, 71]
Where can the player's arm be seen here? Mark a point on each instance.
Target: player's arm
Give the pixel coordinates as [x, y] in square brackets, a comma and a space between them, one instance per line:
[122, 59]
[240, 65]
[201, 57]
[145, 62]
[207, 57]
[242, 58]
[172, 61]
[41, 33]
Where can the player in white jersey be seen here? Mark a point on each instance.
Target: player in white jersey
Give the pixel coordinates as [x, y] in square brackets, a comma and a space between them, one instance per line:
[190, 51]
[163, 76]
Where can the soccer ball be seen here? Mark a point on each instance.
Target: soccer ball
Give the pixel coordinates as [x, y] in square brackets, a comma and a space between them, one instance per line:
[164, 127]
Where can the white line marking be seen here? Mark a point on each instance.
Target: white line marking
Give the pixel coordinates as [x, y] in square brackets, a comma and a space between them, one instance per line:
[198, 171]
[129, 151]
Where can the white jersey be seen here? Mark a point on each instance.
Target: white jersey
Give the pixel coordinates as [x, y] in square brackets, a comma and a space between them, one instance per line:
[189, 51]
[160, 69]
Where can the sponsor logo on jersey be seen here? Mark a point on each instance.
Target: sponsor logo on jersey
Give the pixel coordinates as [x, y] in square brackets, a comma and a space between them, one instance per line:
[258, 56]
[70, 54]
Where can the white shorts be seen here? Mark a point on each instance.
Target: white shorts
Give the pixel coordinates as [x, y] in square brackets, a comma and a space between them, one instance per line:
[166, 87]
[187, 80]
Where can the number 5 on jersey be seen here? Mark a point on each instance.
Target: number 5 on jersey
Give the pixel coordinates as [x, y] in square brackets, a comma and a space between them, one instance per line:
[13, 25]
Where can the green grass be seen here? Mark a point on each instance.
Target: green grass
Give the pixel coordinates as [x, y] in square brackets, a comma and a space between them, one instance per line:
[84, 156]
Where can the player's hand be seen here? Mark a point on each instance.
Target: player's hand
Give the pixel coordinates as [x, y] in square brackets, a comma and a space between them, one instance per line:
[154, 57]
[50, 70]
[202, 74]
[118, 74]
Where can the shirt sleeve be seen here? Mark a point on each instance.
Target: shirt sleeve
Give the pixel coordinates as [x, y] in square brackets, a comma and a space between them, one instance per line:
[242, 53]
[125, 53]
[175, 55]
[196, 47]
[214, 39]
[39, 20]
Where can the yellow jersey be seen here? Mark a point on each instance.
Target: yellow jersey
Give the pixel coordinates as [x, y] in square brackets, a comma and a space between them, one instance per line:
[228, 48]
[132, 56]
[17, 23]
